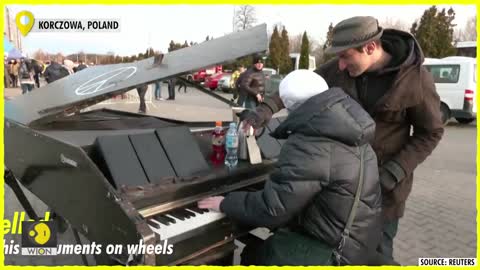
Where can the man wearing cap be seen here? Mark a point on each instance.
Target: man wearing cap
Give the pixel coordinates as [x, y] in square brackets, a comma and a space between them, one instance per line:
[382, 70]
[252, 85]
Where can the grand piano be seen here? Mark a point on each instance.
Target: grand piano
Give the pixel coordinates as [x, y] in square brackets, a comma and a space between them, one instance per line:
[120, 177]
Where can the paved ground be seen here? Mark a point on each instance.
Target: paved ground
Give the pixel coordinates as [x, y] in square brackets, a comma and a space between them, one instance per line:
[441, 211]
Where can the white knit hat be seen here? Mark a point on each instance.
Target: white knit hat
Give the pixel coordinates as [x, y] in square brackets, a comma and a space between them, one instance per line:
[300, 85]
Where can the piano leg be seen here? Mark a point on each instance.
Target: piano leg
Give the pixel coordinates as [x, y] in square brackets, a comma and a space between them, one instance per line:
[12, 182]
[77, 239]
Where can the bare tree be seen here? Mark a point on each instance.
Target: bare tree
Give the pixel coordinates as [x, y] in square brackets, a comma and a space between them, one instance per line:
[59, 57]
[316, 50]
[394, 24]
[40, 55]
[469, 32]
[295, 42]
[279, 26]
[244, 17]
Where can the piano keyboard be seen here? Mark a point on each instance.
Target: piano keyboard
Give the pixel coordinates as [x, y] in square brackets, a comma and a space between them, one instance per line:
[180, 221]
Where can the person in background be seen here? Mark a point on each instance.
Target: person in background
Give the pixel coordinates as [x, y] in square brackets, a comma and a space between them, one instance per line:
[25, 75]
[13, 71]
[54, 72]
[171, 88]
[37, 69]
[6, 74]
[81, 66]
[235, 82]
[142, 90]
[252, 85]
[158, 90]
[181, 84]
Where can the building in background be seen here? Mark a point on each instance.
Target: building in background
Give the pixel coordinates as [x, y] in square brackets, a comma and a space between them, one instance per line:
[11, 31]
[466, 48]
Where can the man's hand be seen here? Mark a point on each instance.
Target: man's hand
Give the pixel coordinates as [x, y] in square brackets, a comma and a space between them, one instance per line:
[211, 203]
[256, 119]
[259, 98]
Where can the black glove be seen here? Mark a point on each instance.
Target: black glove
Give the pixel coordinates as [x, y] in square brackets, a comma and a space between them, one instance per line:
[387, 180]
[390, 173]
[258, 118]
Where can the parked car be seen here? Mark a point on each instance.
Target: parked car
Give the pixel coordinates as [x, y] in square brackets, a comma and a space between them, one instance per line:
[200, 75]
[268, 72]
[212, 81]
[455, 79]
[272, 84]
[224, 83]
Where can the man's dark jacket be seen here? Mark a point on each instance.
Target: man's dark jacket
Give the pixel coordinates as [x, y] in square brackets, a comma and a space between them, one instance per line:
[399, 97]
[54, 72]
[315, 179]
[81, 67]
[251, 83]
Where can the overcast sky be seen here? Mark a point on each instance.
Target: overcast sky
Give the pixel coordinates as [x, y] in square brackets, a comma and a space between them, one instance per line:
[156, 25]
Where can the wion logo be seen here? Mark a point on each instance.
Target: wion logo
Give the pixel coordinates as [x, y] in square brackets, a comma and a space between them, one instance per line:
[39, 238]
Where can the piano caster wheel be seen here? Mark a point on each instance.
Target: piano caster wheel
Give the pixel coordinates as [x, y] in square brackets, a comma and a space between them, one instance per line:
[60, 222]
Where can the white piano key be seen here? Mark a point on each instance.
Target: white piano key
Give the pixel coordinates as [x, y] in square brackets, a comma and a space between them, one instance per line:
[184, 226]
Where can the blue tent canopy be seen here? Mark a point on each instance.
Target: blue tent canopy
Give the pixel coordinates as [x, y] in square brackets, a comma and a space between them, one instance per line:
[7, 45]
[14, 54]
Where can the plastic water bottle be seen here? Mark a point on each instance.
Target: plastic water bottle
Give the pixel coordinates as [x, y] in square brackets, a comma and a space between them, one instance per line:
[231, 146]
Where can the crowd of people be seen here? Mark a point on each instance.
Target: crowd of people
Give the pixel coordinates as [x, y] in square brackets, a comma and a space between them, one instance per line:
[26, 72]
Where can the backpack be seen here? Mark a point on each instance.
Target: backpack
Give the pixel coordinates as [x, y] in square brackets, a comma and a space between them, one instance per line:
[24, 71]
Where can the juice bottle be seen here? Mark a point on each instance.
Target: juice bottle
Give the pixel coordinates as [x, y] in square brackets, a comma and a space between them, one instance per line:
[218, 144]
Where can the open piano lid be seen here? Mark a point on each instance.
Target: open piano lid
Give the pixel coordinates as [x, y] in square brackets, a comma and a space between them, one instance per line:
[95, 84]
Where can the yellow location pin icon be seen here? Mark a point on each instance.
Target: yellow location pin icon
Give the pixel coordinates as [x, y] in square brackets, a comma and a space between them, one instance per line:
[26, 25]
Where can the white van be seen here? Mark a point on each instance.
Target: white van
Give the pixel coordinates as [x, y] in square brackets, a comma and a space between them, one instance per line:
[295, 59]
[456, 81]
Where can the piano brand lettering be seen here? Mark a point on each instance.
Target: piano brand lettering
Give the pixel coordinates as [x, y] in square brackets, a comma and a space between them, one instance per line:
[105, 81]
[68, 161]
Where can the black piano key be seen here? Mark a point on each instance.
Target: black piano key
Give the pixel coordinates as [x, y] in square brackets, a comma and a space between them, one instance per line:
[153, 224]
[177, 214]
[187, 213]
[164, 219]
[198, 210]
[194, 208]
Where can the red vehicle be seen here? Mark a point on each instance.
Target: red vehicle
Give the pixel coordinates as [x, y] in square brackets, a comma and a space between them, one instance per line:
[212, 81]
[200, 75]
